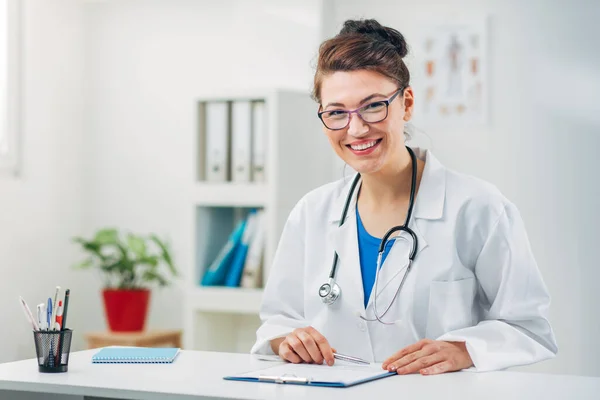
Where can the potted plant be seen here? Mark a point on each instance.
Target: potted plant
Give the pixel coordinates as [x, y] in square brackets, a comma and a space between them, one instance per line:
[129, 265]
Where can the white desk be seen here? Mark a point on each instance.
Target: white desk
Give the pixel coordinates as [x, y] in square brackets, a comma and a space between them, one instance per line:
[199, 375]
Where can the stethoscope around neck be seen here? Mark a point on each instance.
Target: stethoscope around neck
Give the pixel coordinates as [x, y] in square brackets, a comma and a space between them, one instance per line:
[331, 291]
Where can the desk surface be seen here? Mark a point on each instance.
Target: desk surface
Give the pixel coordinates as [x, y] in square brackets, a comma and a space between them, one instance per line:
[199, 374]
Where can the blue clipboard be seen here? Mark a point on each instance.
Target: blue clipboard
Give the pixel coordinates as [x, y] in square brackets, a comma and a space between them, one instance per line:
[295, 379]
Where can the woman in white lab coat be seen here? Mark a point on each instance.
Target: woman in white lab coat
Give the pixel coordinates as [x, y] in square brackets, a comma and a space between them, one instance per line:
[473, 298]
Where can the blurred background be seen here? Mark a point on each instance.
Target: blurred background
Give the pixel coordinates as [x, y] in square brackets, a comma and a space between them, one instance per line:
[108, 103]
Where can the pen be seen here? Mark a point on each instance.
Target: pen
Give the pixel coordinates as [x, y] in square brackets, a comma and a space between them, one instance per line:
[40, 316]
[356, 360]
[28, 315]
[64, 318]
[59, 314]
[49, 314]
[54, 309]
[43, 317]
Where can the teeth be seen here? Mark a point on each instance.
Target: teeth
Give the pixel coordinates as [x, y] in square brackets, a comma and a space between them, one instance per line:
[363, 146]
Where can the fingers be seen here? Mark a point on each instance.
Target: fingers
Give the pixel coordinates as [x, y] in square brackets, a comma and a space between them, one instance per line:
[412, 357]
[286, 353]
[421, 363]
[306, 345]
[297, 346]
[439, 368]
[405, 352]
[311, 346]
[324, 348]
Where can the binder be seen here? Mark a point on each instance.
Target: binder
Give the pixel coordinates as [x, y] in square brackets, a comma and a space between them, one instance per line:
[241, 141]
[216, 274]
[314, 375]
[217, 141]
[259, 141]
[234, 276]
[251, 276]
[135, 355]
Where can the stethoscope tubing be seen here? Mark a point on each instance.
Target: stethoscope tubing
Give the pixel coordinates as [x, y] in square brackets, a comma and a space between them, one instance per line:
[330, 291]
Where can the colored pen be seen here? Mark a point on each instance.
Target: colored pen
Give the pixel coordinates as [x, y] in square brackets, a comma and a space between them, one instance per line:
[64, 318]
[59, 314]
[356, 360]
[49, 314]
[29, 315]
[54, 308]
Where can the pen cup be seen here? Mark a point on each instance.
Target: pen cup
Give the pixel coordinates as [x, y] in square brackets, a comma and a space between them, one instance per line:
[52, 348]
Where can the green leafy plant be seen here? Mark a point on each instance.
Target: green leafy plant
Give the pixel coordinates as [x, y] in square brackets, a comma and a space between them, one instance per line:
[128, 261]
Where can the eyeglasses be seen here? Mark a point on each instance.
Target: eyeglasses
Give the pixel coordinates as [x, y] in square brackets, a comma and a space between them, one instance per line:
[370, 113]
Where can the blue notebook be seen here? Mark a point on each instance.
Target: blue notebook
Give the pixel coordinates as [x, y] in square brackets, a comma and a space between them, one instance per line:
[135, 355]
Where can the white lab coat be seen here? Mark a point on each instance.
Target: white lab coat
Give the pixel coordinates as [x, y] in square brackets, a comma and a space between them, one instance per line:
[474, 278]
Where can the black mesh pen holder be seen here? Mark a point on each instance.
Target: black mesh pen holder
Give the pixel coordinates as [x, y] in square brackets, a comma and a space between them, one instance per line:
[52, 348]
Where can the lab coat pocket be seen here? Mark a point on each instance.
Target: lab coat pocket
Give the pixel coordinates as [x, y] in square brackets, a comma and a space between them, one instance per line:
[450, 306]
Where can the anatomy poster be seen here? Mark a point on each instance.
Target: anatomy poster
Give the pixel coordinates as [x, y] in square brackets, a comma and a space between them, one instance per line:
[453, 67]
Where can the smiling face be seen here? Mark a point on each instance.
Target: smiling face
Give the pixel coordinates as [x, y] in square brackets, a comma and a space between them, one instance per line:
[368, 148]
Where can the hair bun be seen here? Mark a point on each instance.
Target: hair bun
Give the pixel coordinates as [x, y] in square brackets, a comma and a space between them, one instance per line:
[373, 28]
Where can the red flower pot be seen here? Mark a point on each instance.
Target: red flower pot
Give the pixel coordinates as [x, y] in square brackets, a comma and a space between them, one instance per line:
[126, 309]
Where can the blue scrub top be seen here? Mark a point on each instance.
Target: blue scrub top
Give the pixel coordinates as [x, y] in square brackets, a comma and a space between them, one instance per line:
[368, 247]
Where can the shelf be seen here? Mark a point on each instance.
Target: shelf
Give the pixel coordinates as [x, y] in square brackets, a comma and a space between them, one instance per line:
[225, 299]
[230, 194]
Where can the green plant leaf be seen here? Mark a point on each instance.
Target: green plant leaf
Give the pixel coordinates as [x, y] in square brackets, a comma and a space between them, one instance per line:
[137, 245]
[152, 261]
[92, 247]
[127, 263]
[107, 236]
[112, 267]
[151, 275]
[165, 253]
[84, 264]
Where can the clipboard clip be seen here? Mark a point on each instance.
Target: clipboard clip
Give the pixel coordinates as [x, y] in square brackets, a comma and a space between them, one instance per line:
[284, 379]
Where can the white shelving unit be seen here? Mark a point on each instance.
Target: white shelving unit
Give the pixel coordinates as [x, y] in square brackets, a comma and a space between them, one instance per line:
[298, 160]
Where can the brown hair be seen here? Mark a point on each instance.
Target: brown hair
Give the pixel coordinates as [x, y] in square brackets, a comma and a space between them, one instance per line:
[363, 44]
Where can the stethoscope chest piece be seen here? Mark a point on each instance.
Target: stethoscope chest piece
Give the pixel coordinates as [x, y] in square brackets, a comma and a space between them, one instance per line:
[330, 292]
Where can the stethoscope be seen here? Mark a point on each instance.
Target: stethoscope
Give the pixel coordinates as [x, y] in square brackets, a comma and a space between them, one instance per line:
[331, 291]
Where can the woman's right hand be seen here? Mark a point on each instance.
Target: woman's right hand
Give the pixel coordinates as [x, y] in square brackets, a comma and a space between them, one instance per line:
[304, 345]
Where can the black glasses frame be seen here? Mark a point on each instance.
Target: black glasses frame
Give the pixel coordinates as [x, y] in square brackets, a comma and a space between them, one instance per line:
[356, 111]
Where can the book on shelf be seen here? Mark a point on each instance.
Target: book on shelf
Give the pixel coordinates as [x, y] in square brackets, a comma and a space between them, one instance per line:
[216, 273]
[252, 274]
[234, 275]
[239, 261]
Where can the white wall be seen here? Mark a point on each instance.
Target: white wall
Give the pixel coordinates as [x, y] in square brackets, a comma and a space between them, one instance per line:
[146, 64]
[540, 147]
[41, 209]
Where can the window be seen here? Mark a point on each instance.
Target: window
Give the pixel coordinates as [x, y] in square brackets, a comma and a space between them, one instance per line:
[9, 85]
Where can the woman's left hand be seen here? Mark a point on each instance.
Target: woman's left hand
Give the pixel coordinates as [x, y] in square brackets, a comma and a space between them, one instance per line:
[429, 357]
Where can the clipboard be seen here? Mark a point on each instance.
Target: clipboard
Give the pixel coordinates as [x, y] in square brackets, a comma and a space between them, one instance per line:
[314, 375]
